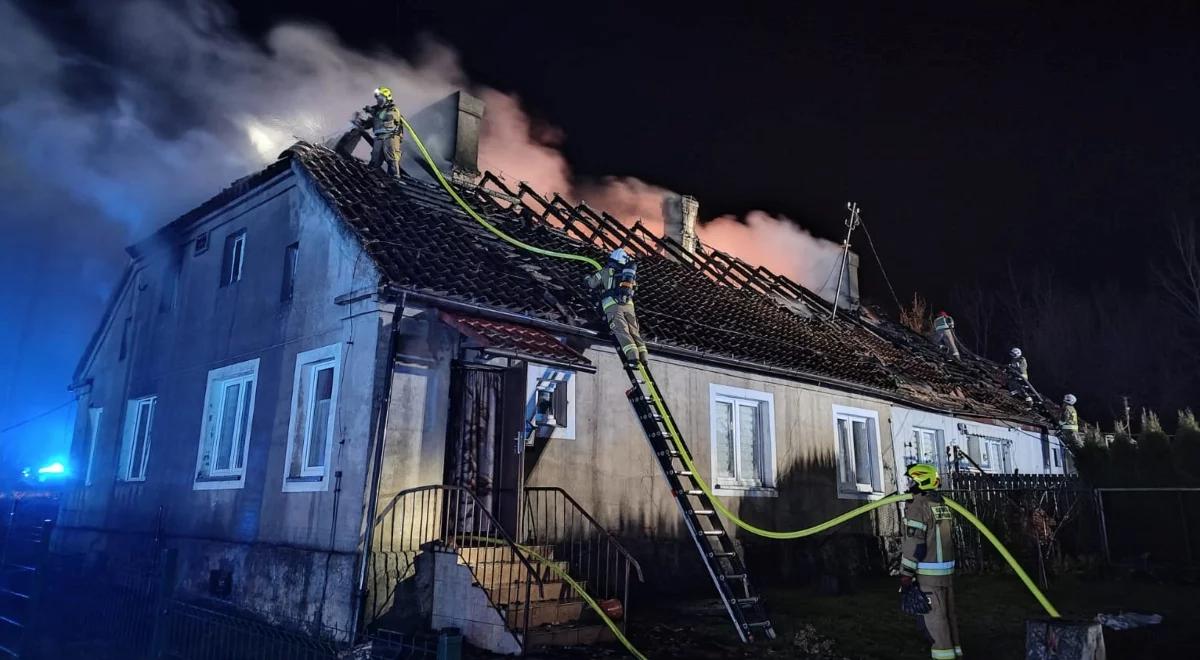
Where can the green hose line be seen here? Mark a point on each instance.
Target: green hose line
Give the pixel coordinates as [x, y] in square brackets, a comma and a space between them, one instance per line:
[479, 218]
[587, 599]
[687, 458]
[1037, 593]
[720, 506]
[591, 602]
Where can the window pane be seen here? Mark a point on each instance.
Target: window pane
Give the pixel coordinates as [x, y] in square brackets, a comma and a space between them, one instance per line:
[749, 452]
[862, 452]
[239, 450]
[724, 439]
[847, 450]
[225, 425]
[928, 442]
[140, 436]
[323, 401]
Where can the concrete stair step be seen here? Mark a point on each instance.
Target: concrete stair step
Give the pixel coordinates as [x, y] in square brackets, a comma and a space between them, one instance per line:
[489, 574]
[570, 635]
[500, 553]
[514, 592]
[544, 613]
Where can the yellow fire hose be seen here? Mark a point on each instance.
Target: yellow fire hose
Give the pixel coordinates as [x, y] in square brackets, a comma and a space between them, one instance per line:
[687, 459]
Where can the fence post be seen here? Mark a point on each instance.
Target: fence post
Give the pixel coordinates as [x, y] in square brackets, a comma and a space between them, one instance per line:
[1103, 525]
[1187, 534]
[168, 560]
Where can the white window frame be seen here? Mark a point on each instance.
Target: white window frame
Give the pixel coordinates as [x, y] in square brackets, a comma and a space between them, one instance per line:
[95, 414]
[207, 477]
[536, 374]
[308, 365]
[237, 259]
[874, 490]
[765, 484]
[132, 413]
[939, 444]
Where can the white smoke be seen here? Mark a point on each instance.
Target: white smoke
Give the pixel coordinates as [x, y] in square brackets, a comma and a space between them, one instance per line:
[131, 113]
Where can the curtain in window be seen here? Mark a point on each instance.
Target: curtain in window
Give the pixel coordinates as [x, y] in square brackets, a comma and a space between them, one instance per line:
[474, 431]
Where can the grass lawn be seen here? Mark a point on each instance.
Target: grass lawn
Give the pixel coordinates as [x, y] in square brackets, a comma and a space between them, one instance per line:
[868, 624]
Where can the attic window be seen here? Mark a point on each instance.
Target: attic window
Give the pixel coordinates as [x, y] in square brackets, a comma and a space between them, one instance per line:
[234, 260]
[201, 245]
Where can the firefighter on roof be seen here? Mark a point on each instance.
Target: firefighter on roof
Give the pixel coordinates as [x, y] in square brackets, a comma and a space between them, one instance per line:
[617, 282]
[943, 333]
[1068, 423]
[927, 563]
[387, 131]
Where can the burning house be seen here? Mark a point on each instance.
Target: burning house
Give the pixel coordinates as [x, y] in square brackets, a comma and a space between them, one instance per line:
[318, 386]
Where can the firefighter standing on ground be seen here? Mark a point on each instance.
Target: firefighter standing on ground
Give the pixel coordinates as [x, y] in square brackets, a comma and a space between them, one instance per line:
[617, 282]
[927, 563]
[387, 131]
[943, 333]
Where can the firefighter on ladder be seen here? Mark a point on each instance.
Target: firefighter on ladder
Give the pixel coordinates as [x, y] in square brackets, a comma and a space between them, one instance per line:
[927, 563]
[617, 282]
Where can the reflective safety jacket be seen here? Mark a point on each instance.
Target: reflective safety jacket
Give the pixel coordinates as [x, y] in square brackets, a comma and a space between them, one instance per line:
[942, 323]
[385, 120]
[928, 550]
[1019, 366]
[1070, 419]
[618, 285]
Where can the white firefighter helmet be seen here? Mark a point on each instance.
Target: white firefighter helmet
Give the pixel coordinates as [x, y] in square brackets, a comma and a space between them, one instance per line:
[1015, 352]
[1069, 399]
[619, 256]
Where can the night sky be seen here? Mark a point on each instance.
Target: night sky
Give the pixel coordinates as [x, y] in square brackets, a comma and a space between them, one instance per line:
[985, 145]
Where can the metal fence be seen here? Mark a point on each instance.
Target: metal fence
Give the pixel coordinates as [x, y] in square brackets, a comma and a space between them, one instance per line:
[553, 522]
[1150, 527]
[129, 610]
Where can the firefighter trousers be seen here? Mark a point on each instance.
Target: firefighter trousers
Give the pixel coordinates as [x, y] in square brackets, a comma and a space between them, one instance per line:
[386, 151]
[940, 625]
[946, 338]
[623, 323]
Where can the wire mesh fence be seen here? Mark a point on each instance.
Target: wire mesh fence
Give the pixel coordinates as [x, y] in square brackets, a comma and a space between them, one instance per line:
[1149, 527]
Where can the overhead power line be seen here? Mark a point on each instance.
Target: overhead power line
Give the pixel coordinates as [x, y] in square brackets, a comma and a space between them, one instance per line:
[37, 416]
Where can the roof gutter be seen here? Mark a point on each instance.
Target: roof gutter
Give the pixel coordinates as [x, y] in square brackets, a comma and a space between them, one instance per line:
[664, 349]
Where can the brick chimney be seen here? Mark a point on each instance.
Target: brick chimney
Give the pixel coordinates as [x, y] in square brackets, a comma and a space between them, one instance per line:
[464, 165]
[679, 214]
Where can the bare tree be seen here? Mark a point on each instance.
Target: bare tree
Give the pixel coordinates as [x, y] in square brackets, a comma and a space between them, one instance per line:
[1180, 279]
[978, 308]
[915, 316]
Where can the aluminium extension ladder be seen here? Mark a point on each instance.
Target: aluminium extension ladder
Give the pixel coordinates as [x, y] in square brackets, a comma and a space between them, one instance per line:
[720, 557]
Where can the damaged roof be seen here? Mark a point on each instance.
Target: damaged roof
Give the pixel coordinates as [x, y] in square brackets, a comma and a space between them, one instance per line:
[710, 303]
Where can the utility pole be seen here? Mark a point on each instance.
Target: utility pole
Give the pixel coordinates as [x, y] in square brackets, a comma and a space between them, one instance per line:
[851, 224]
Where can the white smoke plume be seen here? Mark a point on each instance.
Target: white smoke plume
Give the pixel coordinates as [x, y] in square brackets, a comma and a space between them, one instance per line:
[116, 117]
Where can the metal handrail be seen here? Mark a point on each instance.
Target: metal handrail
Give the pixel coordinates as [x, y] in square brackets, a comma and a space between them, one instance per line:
[620, 548]
[502, 539]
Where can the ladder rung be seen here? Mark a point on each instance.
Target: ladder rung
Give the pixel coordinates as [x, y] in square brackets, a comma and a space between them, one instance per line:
[683, 473]
[703, 512]
[736, 576]
[745, 601]
[713, 532]
[693, 491]
[721, 555]
[759, 624]
[669, 452]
